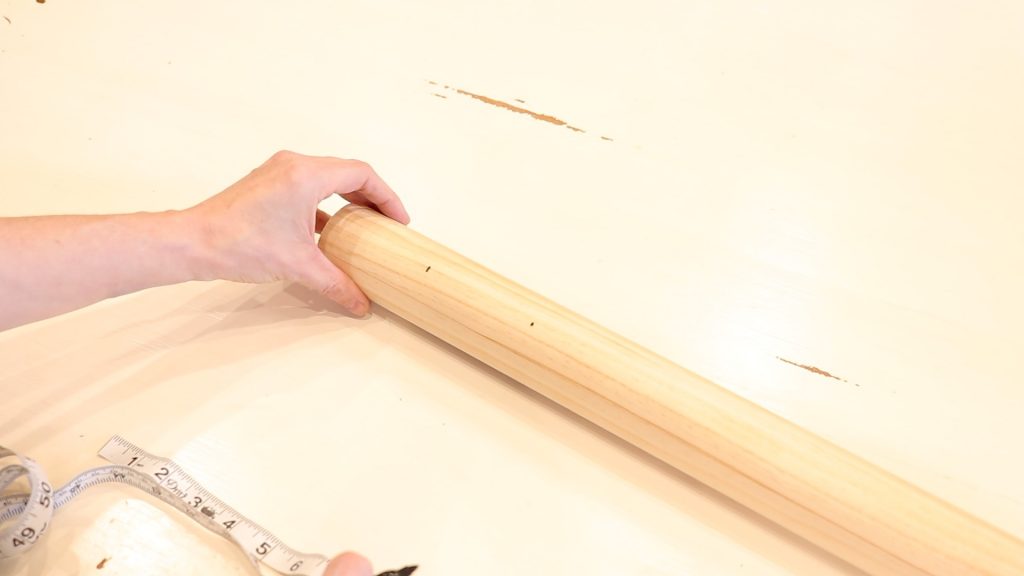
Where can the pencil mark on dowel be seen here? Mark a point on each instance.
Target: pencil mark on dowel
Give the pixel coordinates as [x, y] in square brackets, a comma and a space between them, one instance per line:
[813, 369]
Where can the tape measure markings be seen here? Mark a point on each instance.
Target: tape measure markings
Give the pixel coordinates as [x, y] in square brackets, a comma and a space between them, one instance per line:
[257, 542]
[162, 478]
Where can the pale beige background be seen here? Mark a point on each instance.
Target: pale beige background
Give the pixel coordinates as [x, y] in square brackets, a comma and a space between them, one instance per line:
[835, 184]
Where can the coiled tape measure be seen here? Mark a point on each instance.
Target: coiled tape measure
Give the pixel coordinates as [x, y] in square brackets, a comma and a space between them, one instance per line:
[24, 518]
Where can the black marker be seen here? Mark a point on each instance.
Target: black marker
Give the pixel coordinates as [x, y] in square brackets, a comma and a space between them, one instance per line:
[403, 572]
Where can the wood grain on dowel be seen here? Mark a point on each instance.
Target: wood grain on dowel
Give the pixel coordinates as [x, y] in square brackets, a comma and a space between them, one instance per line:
[825, 494]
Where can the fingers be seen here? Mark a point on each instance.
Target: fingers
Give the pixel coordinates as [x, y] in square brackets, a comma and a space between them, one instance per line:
[323, 276]
[357, 182]
[349, 564]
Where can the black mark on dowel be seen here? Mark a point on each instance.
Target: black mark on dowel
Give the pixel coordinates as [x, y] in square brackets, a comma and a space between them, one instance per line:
[428, 268]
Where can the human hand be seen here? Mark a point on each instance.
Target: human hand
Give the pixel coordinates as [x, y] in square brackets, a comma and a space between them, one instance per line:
[349, 564]
[261, 228]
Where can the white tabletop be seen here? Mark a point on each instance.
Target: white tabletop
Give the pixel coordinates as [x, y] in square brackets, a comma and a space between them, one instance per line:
[817, 206]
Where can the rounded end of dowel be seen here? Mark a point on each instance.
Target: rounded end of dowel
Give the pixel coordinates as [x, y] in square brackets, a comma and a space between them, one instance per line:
[351, 228]
[349, 212]
[348, 223]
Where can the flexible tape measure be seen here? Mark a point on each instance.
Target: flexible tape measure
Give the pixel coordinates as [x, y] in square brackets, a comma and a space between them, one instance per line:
[26, 517]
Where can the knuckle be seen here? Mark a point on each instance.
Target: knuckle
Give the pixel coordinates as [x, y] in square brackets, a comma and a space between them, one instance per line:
[283, 156]
[360, 165]
[294, 168]
[336, 290]
[332, 289]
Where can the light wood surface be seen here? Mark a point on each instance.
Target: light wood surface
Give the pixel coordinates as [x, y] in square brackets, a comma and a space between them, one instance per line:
[789, 190]
[816, 489]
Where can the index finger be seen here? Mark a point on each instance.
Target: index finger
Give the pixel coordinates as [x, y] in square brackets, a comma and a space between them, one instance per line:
[357, 182]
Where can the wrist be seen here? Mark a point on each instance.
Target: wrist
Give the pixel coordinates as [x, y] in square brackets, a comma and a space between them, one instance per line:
[192, 242]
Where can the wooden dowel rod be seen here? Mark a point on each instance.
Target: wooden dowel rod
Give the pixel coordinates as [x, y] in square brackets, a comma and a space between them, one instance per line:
[813, 488]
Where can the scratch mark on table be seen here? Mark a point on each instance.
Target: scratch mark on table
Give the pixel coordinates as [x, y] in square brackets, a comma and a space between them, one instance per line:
[813, 369]
[517, 109]
[512, 107]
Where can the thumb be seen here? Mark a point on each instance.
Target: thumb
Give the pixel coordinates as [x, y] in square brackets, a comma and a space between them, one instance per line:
[349, 564]
[322, 275]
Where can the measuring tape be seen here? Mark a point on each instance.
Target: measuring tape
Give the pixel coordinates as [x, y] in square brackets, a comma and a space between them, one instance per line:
[28, 515]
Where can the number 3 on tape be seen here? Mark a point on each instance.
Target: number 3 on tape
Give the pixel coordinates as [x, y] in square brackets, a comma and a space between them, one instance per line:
[25, 517]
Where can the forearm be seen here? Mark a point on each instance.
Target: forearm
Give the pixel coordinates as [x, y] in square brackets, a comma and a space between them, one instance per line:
[260, 229]
[54, 264]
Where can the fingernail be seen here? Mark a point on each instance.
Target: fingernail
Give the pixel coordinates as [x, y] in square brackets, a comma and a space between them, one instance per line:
[359, 307]
[403, 216]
